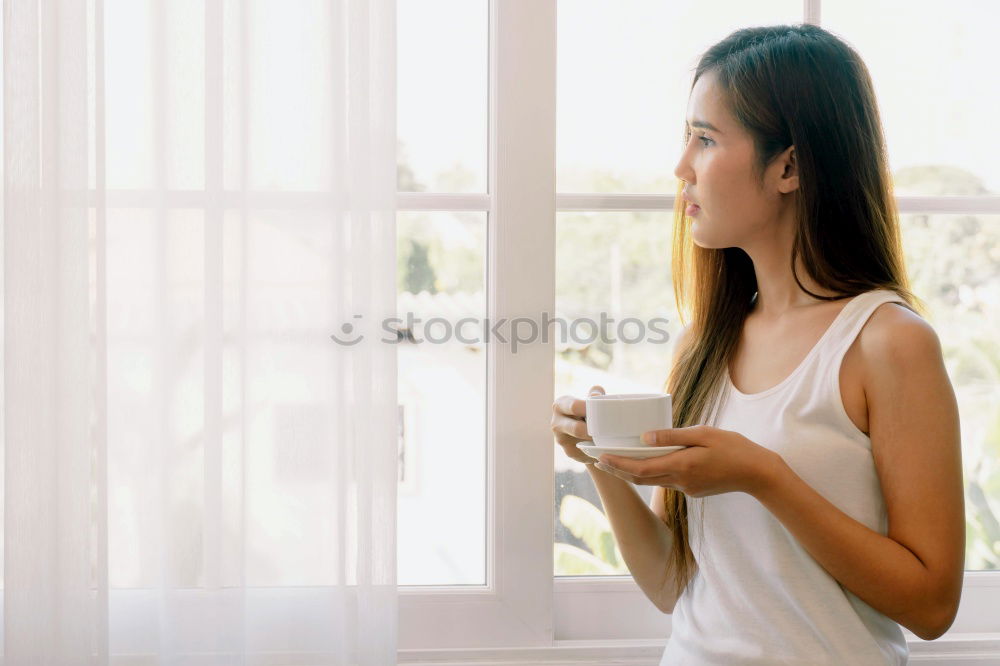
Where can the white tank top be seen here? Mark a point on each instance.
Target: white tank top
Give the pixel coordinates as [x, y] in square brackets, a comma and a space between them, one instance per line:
[758, 596]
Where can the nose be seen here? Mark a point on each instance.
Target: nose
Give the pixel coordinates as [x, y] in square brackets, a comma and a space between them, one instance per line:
[683, 169]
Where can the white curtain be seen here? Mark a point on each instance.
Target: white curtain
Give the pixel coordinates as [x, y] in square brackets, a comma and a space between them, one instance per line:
[197, 195]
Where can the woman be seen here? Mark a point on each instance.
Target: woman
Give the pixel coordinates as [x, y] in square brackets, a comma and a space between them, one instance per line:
[819, 504]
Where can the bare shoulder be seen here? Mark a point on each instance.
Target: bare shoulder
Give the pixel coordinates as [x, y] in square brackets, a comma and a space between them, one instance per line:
[902, 371]
[895, 334]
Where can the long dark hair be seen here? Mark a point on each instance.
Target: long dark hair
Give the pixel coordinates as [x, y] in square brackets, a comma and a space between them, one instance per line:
[785, 84]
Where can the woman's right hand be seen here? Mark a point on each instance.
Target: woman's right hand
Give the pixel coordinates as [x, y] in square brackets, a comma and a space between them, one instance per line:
[569, 423]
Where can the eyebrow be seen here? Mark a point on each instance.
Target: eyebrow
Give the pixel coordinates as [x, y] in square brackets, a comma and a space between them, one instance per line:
[704, 124]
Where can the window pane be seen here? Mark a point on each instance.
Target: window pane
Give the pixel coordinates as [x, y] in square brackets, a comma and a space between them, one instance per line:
[929, 78]
[624, 73]
[442, 399]
[954, 262]
[442, 80]
[615, 264]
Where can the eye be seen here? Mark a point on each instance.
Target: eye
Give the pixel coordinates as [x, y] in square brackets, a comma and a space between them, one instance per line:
[704, 139]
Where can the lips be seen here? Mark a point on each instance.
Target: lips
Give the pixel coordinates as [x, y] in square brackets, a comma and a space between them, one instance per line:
[692, 207]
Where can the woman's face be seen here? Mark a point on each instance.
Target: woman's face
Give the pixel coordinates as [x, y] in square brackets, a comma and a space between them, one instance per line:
[717, 168]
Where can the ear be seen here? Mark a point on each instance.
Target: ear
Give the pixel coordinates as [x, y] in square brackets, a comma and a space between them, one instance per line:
[788, 181]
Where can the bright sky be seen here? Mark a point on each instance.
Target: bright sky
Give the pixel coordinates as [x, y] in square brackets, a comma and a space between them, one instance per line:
[624, 71]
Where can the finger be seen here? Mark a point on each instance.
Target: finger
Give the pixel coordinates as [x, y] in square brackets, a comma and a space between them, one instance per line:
[649, 470]
[666, 481]
[573, 427]
[580, 406]
[662, 480]
[635, 468]
[615, 472]
[687, 436]
[570, 406]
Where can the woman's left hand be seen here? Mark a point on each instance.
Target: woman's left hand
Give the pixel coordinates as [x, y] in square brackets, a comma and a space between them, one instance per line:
[716, 461]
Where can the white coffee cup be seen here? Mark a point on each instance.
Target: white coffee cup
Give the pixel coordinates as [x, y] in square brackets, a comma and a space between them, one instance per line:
[620, 419]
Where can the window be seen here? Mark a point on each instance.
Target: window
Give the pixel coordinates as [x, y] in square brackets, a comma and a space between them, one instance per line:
[442, 383]
[598, 201]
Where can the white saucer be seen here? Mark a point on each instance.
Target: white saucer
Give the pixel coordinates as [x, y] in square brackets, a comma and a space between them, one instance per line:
[637, 452]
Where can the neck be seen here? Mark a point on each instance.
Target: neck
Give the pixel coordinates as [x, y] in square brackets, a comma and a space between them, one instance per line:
[777, 290]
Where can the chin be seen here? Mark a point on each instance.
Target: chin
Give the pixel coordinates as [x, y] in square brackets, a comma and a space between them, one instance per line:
[702, 237]
[699, 239]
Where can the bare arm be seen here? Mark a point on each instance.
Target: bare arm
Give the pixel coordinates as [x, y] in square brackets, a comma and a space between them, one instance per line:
[914, 574]
[643, 539]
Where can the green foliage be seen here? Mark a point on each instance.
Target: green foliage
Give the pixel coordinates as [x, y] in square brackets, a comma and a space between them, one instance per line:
[983, 498]
[573, 561]
[587, 523]
[413, 267]
[440, 252]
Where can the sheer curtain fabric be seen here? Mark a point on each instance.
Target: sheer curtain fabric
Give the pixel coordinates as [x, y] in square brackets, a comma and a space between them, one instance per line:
[197, 197]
